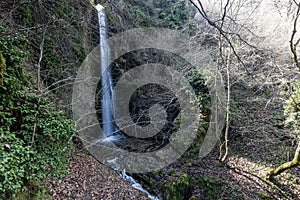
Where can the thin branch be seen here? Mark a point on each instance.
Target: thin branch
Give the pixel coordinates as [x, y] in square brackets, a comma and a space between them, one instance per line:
[203, 13]
[39, 84]
[296, 2]
[40, 60]
[221, 31]
[224, 14]
[293, 46]
[57, 83]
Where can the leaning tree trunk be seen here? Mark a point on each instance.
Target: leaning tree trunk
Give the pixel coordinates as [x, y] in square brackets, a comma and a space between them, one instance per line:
[287, 165]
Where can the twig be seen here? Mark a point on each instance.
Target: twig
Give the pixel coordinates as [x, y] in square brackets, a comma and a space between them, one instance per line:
[221, 31]
[40, 61]
[38, 84]
[293, 46]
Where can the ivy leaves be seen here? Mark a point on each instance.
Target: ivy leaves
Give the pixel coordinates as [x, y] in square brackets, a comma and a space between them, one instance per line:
[292, 109]
[23, 159]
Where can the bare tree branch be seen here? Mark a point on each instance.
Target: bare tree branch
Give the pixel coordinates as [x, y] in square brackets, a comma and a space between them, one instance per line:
[221, 31]
[293, 45]
[40, 60]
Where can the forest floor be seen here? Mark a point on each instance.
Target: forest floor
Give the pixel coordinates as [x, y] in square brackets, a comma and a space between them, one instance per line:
[258, 141]
[89, 179]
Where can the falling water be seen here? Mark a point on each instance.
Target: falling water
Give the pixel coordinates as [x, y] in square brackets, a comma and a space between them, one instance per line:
[106, 80]
[109, 129]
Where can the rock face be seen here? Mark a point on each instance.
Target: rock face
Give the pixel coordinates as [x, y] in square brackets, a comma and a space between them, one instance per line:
[89, 179]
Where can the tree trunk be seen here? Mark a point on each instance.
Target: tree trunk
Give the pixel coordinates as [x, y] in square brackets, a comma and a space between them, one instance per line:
[285, 166]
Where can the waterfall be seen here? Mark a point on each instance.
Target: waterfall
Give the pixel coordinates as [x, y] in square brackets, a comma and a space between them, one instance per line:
[110, 130]
[108, 126]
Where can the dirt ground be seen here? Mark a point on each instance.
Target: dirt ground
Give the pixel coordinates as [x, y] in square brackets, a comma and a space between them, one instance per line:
[89, 179]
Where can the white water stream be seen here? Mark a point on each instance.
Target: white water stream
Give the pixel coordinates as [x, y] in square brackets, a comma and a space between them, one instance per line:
[109, 130]
[106, 80]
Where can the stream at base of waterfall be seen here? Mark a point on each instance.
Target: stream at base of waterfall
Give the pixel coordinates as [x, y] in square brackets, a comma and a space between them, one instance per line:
[110, 130]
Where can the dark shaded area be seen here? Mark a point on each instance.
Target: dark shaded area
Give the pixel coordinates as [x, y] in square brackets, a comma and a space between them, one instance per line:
[150, 94]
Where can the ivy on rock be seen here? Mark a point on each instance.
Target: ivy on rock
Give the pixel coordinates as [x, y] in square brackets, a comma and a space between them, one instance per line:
[34, 134]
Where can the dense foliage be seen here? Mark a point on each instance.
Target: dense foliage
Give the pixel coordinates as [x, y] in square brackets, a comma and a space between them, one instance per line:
[178, 189]
[292, 109]
[58, 35]
[34, 134]
[127, 14]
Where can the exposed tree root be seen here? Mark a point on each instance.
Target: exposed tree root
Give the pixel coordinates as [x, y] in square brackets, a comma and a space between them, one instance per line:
[296, 161]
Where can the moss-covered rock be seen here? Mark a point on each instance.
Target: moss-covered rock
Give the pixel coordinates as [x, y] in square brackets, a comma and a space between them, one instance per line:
[179, 188]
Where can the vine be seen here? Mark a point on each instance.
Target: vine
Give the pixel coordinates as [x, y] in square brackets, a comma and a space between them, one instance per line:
[23, 160]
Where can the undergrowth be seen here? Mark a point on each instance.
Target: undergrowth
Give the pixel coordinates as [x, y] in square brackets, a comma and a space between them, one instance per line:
[34, 134]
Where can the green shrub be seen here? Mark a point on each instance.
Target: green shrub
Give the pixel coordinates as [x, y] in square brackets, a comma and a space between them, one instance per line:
[34, 134]
[173, 13]
[292, 109]
[178, 189]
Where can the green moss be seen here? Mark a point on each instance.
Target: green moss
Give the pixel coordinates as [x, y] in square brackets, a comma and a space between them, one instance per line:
[213, 188]
[36, 191]
[189, 164]
[25, 13]
[110, 17]
[139, 14]
[178, 189]
[2, 68]
[262, 195]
